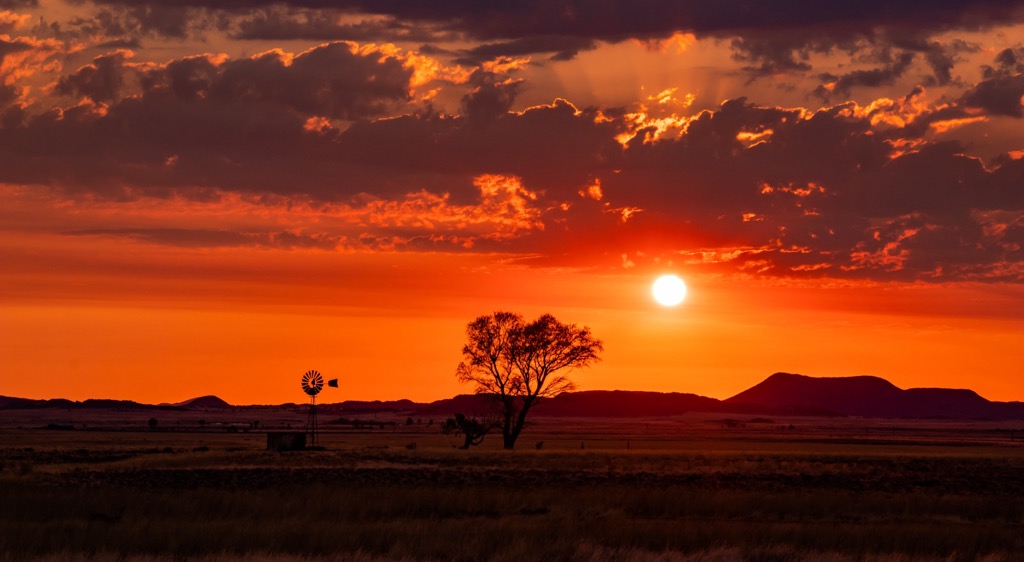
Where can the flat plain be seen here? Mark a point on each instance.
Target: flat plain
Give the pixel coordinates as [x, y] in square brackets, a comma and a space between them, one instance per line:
[104, 485]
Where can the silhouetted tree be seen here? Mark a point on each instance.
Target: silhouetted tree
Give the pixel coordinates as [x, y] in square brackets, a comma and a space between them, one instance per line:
[152, 423]
[473, 429]
[519, 363]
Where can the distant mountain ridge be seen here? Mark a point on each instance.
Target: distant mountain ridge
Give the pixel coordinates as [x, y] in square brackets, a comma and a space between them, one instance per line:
[208, 402]
[867, 396]
[779, 394]
[12, 403]
[626, 404]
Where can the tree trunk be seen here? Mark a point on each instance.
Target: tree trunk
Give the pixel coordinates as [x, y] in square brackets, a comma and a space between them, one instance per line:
[515, 425]
[508, 439]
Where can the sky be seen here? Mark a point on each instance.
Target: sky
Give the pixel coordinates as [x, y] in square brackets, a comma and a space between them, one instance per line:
[215, 197]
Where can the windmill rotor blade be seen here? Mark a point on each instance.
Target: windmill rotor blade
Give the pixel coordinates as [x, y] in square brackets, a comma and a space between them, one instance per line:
[312, 382]
[333, 382]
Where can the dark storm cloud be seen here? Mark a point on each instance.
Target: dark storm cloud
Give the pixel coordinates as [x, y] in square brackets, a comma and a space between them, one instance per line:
[828, 193]
[281, 22]
[640, 17]
[842, 85]
[491, 98]
[329, 80]
[844, 192]
[561, 48]
[120, 44]
[1008, 61]
[890, 50]
[823, 195]
[258, 125]
[101, 81]
[203, 121]
[774, 35]
[554, 148]
[771, 53]
[999, 96]
[943, 57]
[144, 19]
[1002, 88]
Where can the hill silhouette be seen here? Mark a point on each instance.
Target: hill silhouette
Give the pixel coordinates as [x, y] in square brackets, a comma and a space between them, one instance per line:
[371, 406]
[200, 403]
[470, 404]
[866, 396]
[12, 403]
[779, 394]
[626, 403]
[208, 402]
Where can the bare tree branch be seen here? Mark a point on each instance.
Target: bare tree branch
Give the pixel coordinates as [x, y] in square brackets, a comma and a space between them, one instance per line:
[516, 362]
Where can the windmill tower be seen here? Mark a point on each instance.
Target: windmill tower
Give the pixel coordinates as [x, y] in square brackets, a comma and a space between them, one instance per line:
[312, 384]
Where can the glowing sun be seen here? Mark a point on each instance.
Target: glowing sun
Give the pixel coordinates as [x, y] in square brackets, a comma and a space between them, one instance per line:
[669, 290]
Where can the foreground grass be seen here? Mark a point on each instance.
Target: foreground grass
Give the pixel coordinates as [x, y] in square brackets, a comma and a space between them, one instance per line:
[385, 505]
[586, 553]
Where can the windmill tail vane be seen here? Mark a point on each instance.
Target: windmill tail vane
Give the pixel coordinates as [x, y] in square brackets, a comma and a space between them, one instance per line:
[333, 383]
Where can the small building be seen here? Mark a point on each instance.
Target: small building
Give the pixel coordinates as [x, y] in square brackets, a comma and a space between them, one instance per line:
[286, 440]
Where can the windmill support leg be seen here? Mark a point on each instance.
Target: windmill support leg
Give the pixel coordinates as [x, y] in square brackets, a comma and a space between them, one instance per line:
[311, 423]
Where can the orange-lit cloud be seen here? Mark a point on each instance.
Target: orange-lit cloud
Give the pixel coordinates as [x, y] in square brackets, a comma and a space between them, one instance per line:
[393, 160]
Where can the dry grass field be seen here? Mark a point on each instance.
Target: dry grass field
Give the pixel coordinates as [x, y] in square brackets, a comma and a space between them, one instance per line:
[697, 487]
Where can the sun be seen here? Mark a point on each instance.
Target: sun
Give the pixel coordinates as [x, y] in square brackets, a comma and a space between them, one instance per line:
[669, 290]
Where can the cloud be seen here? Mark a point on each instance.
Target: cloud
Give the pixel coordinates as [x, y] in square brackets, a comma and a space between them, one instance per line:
[743, 189]
[849, 191]
[942, 58]
[560, 47]
[566, 27]
[144, 19]
[873, 78]
[280, 22]
[648, 17]
[491, 98]
[828, 193]
[21, 59]
[101, 81]
[11, 21]
[199, 238]
[418, 221]
[1008, 61]
[337, 80]
[209, 120]
[347, 132]
[1002, 89]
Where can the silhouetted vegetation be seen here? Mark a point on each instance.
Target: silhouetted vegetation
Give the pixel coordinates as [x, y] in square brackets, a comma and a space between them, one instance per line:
[472, 429]
[520, 363]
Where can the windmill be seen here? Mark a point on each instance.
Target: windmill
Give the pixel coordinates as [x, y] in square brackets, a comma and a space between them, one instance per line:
[312, 384]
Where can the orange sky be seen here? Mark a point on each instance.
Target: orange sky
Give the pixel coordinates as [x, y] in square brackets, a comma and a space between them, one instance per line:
[202, 200]
[244, 325]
